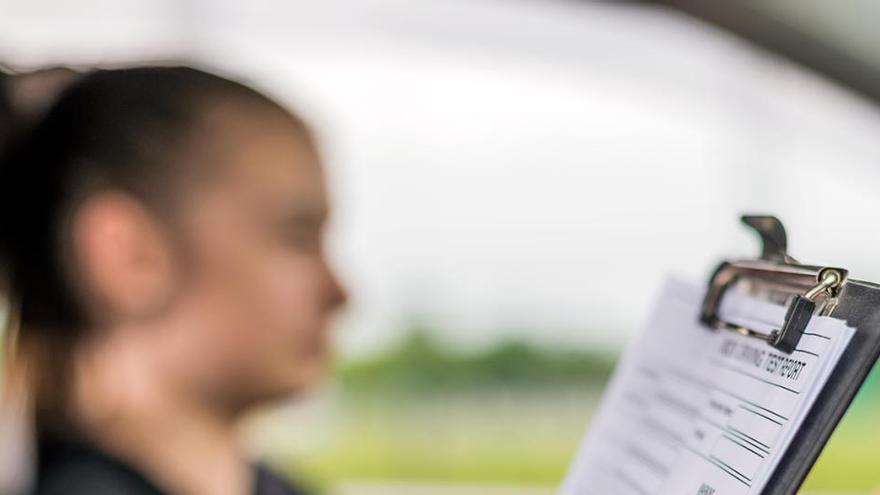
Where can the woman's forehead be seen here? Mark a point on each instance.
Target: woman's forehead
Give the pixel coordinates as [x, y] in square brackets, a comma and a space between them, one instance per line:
[275, 164]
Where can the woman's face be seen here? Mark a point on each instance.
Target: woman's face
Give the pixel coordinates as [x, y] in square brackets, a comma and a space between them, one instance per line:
[257, 293]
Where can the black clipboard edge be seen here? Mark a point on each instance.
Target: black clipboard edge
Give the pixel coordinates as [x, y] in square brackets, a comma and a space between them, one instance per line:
[859, 306]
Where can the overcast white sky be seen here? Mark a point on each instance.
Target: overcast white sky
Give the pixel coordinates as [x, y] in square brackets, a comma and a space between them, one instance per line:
[519, 166]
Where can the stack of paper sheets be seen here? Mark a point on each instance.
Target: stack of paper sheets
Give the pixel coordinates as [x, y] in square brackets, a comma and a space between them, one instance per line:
[695, 411]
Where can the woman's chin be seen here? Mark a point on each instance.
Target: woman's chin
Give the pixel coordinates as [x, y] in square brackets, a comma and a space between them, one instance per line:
[305, 378]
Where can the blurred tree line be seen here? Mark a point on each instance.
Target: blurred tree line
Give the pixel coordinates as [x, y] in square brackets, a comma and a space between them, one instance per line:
[420, 364]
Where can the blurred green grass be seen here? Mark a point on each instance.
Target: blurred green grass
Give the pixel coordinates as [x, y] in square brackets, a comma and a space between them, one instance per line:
[467, 441]
[512, 413]
[849, 461]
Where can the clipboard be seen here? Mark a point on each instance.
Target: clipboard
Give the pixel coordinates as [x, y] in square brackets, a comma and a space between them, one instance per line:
[806, 290]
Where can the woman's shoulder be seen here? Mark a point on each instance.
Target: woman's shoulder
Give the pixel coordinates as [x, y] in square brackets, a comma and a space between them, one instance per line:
[93, 475]
[67, 464]
[269, 483]
[97, 477]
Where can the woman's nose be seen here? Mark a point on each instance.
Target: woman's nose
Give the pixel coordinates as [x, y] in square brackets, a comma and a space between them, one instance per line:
[337, 294]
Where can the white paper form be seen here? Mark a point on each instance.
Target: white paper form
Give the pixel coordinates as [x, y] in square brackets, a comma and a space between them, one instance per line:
[698, 412]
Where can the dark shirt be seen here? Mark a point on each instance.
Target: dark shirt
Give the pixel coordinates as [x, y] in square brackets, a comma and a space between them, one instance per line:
[70, 467]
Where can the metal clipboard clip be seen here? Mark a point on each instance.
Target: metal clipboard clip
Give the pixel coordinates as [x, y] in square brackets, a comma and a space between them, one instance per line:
[778, 277]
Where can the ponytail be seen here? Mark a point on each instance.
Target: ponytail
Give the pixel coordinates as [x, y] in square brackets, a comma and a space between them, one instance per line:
[24, 99]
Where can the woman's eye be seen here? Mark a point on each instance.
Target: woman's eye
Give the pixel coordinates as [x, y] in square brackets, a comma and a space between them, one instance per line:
[302, 239]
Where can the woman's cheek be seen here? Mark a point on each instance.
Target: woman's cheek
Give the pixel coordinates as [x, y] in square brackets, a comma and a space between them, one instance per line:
[292, 354]
[292, 295]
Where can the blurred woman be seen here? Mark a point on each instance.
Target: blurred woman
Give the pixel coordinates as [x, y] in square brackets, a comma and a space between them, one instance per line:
[162, 244]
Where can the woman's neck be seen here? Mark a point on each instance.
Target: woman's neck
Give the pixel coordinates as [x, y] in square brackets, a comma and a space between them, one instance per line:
[129, 406]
